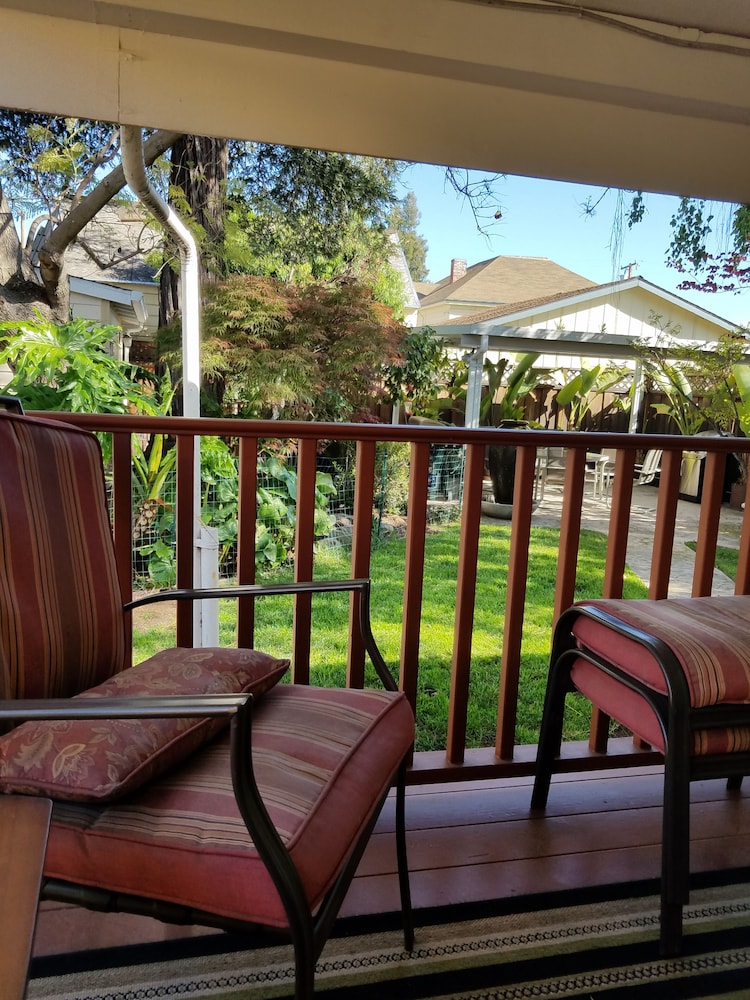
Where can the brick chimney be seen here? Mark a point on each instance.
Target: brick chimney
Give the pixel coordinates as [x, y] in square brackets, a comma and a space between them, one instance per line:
[458, 269]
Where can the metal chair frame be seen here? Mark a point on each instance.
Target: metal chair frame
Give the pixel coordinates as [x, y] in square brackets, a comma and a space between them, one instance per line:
[308, 931]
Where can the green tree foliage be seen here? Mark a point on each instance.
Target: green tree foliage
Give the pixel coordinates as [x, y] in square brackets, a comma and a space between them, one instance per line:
[704, 389]
[309, 216]
[709, 243]
[318, 191]
[713, 263]
[405, 218]
[46, 162]
[300, 215]
[418, 376]
[313, 352]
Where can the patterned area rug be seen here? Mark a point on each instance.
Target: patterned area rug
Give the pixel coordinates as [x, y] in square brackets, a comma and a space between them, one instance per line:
[606, 947]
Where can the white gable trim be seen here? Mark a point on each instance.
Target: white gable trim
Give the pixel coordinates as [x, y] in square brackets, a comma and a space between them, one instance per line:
[616, 288]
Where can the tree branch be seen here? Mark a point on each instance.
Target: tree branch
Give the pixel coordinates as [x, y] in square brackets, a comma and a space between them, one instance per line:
[52, 253]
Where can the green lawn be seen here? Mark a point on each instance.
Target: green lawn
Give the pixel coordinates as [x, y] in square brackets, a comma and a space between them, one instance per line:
[330, 619]
[726, 559]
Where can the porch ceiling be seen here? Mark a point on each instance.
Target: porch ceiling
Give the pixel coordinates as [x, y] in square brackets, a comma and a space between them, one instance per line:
[648, 94]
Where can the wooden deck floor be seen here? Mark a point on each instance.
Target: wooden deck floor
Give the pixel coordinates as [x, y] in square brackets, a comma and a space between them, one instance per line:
[476, 841]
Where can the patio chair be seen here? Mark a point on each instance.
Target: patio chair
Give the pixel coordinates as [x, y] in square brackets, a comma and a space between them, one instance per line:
[650, 468]
[600, 471]
[193, 786]
[677, 674]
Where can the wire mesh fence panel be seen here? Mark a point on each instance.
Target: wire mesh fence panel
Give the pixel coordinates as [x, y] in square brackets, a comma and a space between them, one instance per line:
[154, 506]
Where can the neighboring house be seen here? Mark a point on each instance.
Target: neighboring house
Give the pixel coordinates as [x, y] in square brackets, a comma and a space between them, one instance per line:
[571, 328]
[499, 281]
[111, 280]
[600, 321]
[109, 305]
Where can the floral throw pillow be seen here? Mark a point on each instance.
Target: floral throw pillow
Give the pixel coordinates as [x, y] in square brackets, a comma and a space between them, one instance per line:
[86, 760]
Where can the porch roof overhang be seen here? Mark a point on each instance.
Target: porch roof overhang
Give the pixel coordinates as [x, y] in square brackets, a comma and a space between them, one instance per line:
[127, 304]
[640, 94]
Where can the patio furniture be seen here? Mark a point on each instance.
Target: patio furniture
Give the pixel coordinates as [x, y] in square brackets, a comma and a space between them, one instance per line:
[677, 674]
[193, 786]
[650, 467]
[600, 471]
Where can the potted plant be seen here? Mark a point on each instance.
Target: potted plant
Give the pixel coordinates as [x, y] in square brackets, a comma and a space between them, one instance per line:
[508, 412]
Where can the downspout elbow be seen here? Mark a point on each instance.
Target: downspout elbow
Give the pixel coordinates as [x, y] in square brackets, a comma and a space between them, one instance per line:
[133, 165]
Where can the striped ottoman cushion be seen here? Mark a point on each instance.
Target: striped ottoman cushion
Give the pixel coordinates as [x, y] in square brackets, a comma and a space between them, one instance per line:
[320, 756]
[710, 637]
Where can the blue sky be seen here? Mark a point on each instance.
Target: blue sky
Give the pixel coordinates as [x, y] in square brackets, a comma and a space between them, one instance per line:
[545, 219]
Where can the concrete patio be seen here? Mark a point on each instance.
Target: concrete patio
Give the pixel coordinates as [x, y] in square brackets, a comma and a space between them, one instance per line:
[595, 517]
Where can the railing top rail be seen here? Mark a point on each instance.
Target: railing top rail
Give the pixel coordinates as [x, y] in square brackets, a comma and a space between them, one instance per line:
[434, 434]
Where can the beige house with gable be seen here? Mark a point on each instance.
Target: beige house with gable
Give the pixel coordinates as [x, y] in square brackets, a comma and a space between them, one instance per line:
[111, 280]
[492, 283]
[577, 324]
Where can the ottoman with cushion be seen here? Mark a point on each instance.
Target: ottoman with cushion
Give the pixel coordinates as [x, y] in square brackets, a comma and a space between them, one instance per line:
[676, 673]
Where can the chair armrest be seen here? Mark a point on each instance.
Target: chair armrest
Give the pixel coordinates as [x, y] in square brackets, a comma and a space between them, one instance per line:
[146, 707]
[360, 586]
[249, 590]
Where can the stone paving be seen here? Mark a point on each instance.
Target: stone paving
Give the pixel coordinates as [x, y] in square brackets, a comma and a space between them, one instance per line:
[595, 516]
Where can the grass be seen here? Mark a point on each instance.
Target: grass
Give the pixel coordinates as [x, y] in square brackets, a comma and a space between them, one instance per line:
[726, 559]
[330, 622]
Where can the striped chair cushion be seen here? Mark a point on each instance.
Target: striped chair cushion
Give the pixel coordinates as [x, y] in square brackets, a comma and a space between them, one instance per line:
[61, 622]
[710, 638]
[321, 757]
[634, 712]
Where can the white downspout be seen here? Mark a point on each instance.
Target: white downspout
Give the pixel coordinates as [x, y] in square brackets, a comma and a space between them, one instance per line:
[205, 566]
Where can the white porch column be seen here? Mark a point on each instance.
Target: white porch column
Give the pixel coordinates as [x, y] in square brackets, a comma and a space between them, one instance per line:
[637, 397]
[475, 362]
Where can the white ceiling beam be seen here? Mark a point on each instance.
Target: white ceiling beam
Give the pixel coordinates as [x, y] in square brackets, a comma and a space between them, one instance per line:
[516, 88]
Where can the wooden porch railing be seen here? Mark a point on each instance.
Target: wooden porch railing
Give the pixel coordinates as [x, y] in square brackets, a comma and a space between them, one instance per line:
[457, 762]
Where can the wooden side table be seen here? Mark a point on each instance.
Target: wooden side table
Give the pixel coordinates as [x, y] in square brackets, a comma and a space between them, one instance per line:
[24, 825]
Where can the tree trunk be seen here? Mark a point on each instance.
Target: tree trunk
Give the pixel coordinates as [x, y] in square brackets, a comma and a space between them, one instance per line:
[199, 171]
[21, 295]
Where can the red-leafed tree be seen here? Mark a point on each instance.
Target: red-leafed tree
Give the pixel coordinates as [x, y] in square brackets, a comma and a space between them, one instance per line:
[297, 352]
